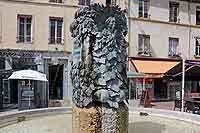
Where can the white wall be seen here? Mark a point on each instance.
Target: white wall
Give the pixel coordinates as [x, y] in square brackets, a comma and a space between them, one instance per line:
[159, 28]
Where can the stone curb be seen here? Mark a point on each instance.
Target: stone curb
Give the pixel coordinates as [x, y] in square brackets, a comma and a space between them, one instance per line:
[9, 118]
[180, 116]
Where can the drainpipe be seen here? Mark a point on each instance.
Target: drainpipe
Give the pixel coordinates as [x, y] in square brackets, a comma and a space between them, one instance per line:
[189, 34]
[129, 27]
[183, 84]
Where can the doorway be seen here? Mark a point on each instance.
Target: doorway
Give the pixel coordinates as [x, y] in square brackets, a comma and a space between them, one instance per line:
[56, 82]
[160, 89]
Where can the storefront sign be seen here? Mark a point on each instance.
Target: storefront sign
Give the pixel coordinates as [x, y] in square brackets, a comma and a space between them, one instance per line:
[27, 93]
[17, 54]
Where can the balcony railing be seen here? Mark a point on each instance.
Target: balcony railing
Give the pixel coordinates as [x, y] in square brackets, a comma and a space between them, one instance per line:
[145, 52]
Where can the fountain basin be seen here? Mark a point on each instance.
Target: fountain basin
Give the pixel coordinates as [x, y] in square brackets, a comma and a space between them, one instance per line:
[54, 120]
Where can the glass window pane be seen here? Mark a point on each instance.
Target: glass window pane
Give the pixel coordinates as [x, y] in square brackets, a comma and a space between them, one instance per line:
[28, 38]
[59, 33]
[21, 32]
[147, 44]
[140, 43]
[88, 2]
[29, 20]
[60, 1]
[52, 31]
[145, 8]
[21, 20]
[140, 13]
[28, 29]
[173, 44]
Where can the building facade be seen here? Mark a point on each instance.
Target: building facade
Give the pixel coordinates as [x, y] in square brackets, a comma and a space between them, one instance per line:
[36, 35]
[162, 32]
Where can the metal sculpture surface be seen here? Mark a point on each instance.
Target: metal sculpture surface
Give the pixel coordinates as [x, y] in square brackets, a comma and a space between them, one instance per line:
[99, 56]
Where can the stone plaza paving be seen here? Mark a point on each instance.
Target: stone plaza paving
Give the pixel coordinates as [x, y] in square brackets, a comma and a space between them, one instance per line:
[137, 124]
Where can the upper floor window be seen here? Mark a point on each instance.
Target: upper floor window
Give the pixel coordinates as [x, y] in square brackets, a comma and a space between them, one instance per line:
[144, 45]
[173, 46]
[197, 47]
[198, 15]
[173, 11]
[56, 30]
[84, 2]
[111, 2]
[24, 28]
[143, 8]
[56, 1]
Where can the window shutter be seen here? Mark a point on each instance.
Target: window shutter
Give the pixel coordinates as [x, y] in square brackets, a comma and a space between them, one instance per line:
[140, 9]
[146, 6]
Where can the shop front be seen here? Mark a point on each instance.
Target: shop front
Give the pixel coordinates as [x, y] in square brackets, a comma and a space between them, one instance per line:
[191, 79]
[53, 64]
[153, 79]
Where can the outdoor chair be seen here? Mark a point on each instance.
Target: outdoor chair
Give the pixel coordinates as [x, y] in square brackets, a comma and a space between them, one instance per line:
[190, 106]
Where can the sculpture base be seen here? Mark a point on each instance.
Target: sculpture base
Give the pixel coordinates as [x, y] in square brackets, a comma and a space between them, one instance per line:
[100, 119]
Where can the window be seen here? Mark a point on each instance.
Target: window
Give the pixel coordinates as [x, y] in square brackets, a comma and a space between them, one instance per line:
[56, 30]
[111, 2]
[114, 2]
[173, 45]
[0, 27]
[56, 81]
[143, 8]
[24, 28]
[56, 1]
[198, 16]
[84, 2]
[144, 45]
[173, 11]
[197, 47]
[2, 63]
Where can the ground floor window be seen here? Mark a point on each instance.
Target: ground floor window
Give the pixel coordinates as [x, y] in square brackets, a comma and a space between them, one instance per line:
[160, 89]
[56, 81]
[137, 85]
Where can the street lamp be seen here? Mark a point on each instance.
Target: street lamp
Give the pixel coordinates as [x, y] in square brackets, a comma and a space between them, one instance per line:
[183, 84]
